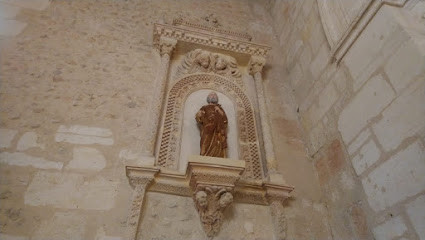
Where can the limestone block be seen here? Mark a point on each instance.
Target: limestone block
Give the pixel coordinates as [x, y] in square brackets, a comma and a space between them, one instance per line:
[416, 212]
[407, 64]
[356, 114]
[12, 237]
[31, 4]
[363, 136]
[6, 137]
[62, 226]
[375, 45]
[399, 177]
[85, 130]
[404, 118]
[27, 141]
[70, 190]
[390, 229]
[24, 160]
[85, 158]
[320, 61]
[367, 156]
[10, 27]
[78, 134]
[325, 100]
[8, 11]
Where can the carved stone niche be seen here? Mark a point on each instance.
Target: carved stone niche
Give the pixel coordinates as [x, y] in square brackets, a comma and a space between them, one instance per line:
[212, 181]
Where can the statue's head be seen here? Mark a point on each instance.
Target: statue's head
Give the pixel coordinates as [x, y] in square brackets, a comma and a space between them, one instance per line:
[201, 198]
[212, 98]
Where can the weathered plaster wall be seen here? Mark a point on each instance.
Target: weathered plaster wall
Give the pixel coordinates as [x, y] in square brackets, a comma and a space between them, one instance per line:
[75, 91]
[363, 120]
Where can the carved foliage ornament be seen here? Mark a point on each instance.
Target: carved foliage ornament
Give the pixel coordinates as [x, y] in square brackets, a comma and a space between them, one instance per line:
[202, 61]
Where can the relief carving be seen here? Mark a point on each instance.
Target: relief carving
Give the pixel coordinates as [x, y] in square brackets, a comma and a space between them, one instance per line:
[211, 201]
[202, 61]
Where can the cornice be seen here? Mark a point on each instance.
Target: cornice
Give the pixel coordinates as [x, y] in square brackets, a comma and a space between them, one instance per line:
[198, 35]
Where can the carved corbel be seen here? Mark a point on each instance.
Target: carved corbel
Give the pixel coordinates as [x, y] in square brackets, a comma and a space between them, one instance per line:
[256, 64]
[167, 45]
[212, 181]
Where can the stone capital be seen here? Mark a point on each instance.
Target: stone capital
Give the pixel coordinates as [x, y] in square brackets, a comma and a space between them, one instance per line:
[256, 64]
[167, 45]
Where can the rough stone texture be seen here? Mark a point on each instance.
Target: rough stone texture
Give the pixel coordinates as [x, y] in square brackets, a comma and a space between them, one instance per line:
[416, 212]
[27, 141]
[70, 190]
[399, 177]
[62, 226]
[390, 229]
[85, 158]
[6, 137]
[359, 141]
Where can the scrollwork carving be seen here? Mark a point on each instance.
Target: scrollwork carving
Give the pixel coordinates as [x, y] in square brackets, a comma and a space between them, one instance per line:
[211, 201]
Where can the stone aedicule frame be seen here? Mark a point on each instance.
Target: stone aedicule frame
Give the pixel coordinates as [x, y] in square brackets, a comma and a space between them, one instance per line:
[213, 183]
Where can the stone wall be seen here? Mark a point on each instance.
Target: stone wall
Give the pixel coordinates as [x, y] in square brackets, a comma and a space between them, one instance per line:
[75, 94]
[363, 120]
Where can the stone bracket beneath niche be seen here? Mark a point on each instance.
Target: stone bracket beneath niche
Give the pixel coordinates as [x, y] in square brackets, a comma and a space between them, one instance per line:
[245, 191]
[213, 183]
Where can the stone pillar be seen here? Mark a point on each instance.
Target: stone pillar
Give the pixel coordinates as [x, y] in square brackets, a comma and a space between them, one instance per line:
[255, 67]
[139, 181]
[166, 47]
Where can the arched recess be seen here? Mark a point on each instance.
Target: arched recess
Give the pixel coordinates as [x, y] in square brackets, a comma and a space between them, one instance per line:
[170, 143]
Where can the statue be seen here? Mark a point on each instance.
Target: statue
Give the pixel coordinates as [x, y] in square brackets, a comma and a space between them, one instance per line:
[213, 124]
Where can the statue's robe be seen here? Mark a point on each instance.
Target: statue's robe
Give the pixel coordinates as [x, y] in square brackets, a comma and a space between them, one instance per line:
[213, 124]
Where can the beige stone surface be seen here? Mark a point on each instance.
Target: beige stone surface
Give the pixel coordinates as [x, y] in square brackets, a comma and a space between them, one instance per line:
[85, 158]
[62, 226]
[27, 141]
[404, 118]
[416, 212]
[72, 191]
[358, 112]
[390, 229]
[23, 160]
[6, 137]
[396, 179]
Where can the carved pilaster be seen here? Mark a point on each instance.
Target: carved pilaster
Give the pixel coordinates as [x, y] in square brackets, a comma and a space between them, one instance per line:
[276, 194]
[166, 47]
[140, 179]
[255, 67]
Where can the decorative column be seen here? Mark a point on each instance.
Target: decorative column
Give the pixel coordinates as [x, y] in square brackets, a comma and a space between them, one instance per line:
[166, 47]
[140, 178]
[256, 64]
